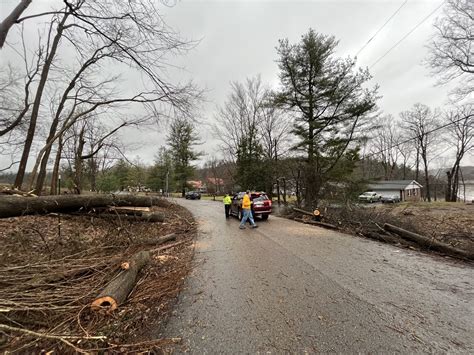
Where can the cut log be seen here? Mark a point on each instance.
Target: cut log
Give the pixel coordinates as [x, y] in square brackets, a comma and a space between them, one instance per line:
[117, 291]
[15, 192]
[316, 223]
[428, 242]
[159, 240]
[11, 206]
[303, 211]
[129, 210]
[152, 217]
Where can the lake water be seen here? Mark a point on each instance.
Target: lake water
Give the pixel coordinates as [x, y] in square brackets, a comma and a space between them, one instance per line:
[469, 191]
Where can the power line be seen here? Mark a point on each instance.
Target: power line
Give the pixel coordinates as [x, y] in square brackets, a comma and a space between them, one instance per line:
[413, 138]
[408, 34]
[380, 29]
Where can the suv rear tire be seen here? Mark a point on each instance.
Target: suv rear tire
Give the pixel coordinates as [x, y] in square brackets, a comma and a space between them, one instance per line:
[239, 214]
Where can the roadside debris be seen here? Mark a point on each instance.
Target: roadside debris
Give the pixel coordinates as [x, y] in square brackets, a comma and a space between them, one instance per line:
[101, 285]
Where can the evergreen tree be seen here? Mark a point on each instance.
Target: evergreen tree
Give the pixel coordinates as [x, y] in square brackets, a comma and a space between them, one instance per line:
[161, 174]
[251, 172]
[181, 139]
[331, 105]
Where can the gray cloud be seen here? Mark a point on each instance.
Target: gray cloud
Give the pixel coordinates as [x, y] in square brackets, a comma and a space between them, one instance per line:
[238, 40]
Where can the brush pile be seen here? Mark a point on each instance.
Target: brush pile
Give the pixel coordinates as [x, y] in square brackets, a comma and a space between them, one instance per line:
[53, 267]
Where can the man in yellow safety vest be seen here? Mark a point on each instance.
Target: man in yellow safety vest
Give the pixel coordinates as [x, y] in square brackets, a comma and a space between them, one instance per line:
[247, 211]
[227, 201]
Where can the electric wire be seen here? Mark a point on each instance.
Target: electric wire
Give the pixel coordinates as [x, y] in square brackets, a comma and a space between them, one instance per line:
[413, 138]
[408, 34]
[381, 28]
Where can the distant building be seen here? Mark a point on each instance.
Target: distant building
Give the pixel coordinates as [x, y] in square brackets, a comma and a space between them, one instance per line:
[215, 185]
[407, 190]
[196, 185]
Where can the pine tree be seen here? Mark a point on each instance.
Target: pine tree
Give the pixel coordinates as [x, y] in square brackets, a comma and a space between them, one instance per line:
[331, 105]
[181, 139]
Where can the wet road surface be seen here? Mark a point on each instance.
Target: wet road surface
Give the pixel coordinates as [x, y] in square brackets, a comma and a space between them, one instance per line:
[290, 287]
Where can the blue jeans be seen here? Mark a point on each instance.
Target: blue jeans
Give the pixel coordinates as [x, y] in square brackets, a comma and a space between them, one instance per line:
[247, 214]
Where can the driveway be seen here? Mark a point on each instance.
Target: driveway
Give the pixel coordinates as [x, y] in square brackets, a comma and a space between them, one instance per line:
[290, 287]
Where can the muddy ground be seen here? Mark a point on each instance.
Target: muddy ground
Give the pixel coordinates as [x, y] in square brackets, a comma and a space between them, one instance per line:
[53, 266]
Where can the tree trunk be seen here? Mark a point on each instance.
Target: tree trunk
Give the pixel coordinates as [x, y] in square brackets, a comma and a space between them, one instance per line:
[93, 174]
[78, 162]
[428, 242]
[12, 206]
[55, 175]
[158, 240]
[37, 104]
[427, 177]
[152, 217]
[417, 164]
[448, 187]
[117, 291]
[11, 19]
[316, 223]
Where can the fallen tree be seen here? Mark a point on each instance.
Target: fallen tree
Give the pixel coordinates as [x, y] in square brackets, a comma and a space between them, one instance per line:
[150, 217]
[316, 223]
[12, 206]
[428, 242]
[116, 292]
[159, 240]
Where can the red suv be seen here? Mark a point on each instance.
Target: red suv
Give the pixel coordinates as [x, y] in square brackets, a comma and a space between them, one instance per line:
[261, 205]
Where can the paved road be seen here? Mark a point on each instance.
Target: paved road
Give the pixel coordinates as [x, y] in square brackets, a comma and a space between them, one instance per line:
[289, 287]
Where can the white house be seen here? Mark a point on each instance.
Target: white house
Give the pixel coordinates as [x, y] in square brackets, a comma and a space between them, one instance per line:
[407, 190]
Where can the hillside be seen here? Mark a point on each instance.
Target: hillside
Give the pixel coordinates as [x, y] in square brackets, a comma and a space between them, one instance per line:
[467, 172]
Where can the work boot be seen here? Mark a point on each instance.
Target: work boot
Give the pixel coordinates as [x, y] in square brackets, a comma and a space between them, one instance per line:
[242, 227]
[254, 226]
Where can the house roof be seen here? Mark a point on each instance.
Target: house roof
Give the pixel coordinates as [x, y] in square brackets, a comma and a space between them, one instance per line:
[196, 184]
[215, 181]
[392, 184]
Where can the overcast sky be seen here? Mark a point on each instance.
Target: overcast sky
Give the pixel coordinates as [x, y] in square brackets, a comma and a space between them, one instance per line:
[238, 40]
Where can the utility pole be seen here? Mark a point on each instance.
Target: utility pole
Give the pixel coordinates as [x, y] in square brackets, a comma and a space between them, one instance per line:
[276, 165]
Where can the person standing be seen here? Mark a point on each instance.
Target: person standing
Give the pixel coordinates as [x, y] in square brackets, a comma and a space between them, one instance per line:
[227, 202]
[247, 211]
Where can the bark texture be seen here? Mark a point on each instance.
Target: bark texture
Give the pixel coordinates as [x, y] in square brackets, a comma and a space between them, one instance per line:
[118, 289]
[12, 206]
[428, 242]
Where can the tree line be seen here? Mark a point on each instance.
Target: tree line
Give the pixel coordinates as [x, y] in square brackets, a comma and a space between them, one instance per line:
[67, 92]
[318, 134]
[322, 128]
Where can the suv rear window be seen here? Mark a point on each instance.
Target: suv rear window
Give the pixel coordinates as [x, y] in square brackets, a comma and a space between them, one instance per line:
[259, 197]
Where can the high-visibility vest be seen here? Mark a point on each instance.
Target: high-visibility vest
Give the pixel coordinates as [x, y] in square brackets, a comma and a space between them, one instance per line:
[227, 200]
[246, 202]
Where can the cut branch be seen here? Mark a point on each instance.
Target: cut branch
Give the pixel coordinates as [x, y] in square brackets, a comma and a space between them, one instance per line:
[116, 292]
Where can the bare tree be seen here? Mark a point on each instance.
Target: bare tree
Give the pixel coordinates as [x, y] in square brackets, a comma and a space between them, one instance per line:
[275, 126]
[76, 80]
[461, 136]
[420, 123]
[15, 100]
[451, 50]
[405, 149]
[51, 52]
[241, 115]
[385, 145]
[11, 19]
[121, 31]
